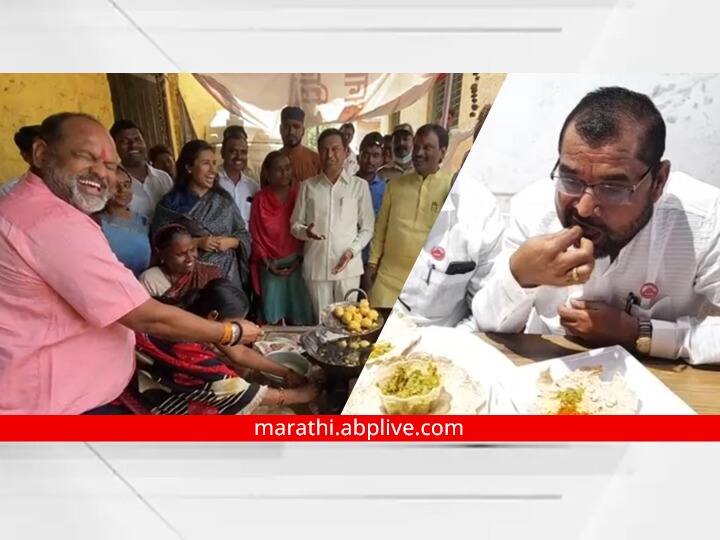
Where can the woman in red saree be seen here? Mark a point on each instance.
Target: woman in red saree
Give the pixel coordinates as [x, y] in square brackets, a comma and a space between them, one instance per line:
[276, 254]
[199, 378]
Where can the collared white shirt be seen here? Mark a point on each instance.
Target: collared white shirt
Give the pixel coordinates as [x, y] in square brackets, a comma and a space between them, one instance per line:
[468, 230]
[245, 189]
[147, 194]
[677, 252]
[343, 213]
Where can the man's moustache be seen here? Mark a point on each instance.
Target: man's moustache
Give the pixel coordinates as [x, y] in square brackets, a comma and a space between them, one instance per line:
[584, 224]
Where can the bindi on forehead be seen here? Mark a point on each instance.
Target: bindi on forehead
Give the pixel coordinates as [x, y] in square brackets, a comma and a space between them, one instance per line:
[107, 152]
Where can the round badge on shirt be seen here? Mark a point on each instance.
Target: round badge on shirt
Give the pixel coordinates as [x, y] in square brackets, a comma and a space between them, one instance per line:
[649, 291]
[437, 253]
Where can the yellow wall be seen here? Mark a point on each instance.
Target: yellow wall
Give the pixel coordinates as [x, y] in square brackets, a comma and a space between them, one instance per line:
[419, 112]
[200, 104]
[416, 114]
[171, 93]
[488, 87]
[29, 98]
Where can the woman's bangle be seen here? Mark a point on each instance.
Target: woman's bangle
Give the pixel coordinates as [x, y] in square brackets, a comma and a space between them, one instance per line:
[227, 334]
[237, 333]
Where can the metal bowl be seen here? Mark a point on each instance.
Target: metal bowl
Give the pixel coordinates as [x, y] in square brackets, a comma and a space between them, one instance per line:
[334, 360]
[291, 360]
[328, 320]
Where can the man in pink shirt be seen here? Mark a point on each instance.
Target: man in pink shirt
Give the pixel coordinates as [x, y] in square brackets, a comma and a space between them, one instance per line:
[67, 306]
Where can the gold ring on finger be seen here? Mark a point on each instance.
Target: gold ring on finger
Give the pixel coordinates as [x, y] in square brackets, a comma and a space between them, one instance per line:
[575, 275]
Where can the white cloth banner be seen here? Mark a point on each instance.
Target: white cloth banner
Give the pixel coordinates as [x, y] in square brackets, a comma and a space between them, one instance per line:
[257, 98]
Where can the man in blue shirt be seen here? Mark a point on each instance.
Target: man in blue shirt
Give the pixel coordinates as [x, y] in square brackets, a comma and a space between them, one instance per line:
[370, 160]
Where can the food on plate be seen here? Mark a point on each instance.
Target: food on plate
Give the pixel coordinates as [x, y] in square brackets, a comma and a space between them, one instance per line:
[354, 344]
[410, 387]
[411, 380]
[366, 324]
[381, 348]
[357, 318]
[583, 391]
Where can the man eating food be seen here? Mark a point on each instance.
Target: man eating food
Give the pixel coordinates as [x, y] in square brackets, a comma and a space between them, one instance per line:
[614, 248]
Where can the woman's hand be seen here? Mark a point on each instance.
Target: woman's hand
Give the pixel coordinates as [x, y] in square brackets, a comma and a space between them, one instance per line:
[209, 243]
[227, 243]
[302, 394]
[273, 269]
[251, 332]
[293, 379]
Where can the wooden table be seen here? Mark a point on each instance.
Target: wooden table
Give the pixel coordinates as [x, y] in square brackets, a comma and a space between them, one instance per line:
[699, 387]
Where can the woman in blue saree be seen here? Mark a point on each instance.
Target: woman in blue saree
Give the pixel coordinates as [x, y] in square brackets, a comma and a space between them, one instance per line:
[208, 212]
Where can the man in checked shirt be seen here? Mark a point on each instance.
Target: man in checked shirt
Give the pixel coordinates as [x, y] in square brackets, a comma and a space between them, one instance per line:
[613, 248]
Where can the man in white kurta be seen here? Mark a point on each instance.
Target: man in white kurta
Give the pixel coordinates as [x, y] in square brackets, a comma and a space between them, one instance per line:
[334, 216]
[643, 273]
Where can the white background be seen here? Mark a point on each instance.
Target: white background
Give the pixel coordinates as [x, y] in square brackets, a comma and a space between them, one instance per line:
[572, 492]
[518, 144]
[309, 491]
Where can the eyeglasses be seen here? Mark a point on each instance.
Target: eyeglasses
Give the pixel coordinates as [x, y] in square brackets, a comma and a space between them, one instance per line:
[605, 194]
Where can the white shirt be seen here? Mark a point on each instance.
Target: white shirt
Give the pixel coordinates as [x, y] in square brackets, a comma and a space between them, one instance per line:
[678, 251]
[351, 165]
[245, 189]
[343, 213]
[7, 186]
[147, 194]
[468, 231]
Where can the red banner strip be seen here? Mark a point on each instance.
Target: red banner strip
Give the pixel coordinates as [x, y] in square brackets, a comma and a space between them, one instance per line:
[361, 428]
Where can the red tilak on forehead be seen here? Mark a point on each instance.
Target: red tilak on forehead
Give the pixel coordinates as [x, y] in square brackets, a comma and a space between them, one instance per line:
[108, 153]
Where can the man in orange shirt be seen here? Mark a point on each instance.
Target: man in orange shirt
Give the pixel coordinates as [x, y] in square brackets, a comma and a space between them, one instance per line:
[305, 163]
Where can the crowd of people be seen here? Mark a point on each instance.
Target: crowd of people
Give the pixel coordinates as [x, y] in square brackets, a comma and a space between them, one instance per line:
[108, 248]
[109, 252]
